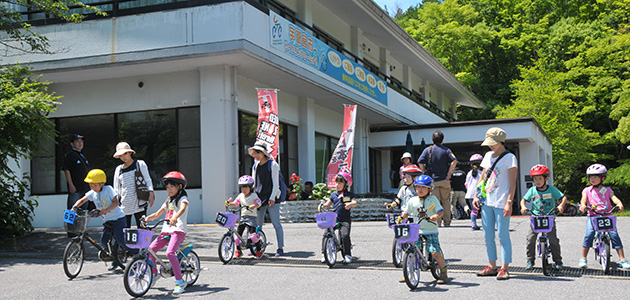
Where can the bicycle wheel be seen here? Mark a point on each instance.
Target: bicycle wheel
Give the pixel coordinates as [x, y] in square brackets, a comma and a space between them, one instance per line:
[73, 257]
[424, 252]
[604, 255]
[120, 255]
[226, 248]
[411, 270]
[397, 254]
[433, 266]
[544, 255]
[190, 267]
[330, 251]
[263, 239]
[137, 278]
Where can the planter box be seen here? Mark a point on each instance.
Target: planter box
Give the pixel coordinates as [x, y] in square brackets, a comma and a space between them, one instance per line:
[303, 211]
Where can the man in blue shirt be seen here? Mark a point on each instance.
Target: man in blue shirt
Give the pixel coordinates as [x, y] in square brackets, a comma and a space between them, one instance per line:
[439, 162]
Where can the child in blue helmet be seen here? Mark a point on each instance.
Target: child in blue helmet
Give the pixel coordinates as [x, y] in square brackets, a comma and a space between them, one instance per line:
[423, 205]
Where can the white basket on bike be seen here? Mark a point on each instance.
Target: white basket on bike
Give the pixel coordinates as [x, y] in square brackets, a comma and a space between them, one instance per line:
[406, 233]
[604, 223]
[137, 238]
[326, 219]
[226, 219]
[79, 224]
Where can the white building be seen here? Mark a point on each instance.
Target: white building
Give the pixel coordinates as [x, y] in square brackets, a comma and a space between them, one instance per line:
[178, 81]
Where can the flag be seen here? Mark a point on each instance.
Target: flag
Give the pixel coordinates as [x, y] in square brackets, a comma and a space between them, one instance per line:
[268, 121]
[409, 145]
[341, 159]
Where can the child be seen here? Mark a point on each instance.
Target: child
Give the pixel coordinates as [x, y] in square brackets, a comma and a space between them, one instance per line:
[176, 208]
[472, 179]
[543, 198]
[407, 191]
[249, 202]
[600, 196]
[344, 200]
[423, 205]
[106, 203]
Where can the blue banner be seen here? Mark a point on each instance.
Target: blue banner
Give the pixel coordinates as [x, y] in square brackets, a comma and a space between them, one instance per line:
[297, 43]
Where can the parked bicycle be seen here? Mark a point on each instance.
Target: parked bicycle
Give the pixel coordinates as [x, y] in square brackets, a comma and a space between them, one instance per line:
[604, 223]
[138, 275]
[231, 238]
[331, 241]
[417, 257]
[542, 225]
[75, 222]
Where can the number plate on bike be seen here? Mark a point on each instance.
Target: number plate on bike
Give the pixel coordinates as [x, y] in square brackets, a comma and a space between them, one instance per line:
[221, 219]
[401, 231]
[131, 237]
[542, 223]
[608, 223]
[391, 219]
[69, 216]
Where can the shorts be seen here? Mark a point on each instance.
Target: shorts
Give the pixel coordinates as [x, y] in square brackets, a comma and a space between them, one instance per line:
[433, 242]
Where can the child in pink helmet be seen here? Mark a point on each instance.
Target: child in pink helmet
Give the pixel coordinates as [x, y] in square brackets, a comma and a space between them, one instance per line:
[472, 178]
[343, 200]
[249, 202]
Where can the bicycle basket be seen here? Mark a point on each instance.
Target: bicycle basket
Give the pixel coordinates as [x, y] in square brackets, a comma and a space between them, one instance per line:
[137, 238]
[406, 233]
[391, 219]
[326, 219]
[80, 223]
[604, 223]
[227, 220]
[542, 224]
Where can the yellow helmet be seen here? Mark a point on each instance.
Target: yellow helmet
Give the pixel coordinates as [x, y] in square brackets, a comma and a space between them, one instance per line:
[95, 176]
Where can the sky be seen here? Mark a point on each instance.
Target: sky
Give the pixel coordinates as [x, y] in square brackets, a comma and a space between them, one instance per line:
[391, 4]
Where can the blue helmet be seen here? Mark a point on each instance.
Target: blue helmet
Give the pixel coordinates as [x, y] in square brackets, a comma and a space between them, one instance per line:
[424, 180]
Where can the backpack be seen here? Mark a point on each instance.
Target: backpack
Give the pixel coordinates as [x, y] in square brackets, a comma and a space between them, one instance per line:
[283, 185]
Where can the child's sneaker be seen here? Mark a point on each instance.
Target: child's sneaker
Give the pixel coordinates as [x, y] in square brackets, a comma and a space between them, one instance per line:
[154, 279]
[180, 285]
[259, 254]
[529, 266]
[347, 259]
[475, 228]
[443, 277]
[582, 264]
[559, 266]
[624, 264]
[323, 260]
[238, 254]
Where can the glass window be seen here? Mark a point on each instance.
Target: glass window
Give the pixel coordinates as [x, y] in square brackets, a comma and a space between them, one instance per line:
[324, 146]
[43, 167]
[189, 145]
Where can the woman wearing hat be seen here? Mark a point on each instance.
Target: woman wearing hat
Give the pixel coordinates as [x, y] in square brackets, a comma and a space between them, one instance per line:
[125, 180]
[266, 174]
[406, 160]
[500, 187]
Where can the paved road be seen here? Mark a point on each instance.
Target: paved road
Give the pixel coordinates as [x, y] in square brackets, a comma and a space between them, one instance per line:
[37, 273]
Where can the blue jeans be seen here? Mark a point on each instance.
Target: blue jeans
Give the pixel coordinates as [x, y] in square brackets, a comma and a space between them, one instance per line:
[590, 235]
[492, 217]
[117, 227]
[274, 213]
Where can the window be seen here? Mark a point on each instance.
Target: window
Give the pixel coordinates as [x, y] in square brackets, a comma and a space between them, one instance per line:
[165, 139]
[324, 147]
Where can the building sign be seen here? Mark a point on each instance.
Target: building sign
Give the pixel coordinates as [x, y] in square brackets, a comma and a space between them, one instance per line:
[297, 43]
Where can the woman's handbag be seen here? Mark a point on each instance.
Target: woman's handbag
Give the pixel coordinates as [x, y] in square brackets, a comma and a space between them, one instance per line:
[142, 191]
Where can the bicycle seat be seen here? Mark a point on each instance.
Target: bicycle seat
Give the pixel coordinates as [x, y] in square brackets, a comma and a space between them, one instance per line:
[108, 226]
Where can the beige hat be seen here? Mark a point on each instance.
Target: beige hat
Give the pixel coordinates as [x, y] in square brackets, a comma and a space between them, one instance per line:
[494, 136]
[260, 147]
[407, 155]
[123, 148]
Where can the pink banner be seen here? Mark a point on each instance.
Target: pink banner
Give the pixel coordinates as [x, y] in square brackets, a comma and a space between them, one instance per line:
[268, 122]
[341, 159]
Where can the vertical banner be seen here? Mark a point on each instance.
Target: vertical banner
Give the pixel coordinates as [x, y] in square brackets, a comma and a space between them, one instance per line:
[341, 159]
[268, 122]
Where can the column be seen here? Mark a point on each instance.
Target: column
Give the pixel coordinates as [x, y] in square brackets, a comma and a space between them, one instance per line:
[306, 139]
[360, 160]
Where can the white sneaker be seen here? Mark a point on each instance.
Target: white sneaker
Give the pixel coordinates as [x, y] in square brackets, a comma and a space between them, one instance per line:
[180, 285]
[323, 260]
[347, 259]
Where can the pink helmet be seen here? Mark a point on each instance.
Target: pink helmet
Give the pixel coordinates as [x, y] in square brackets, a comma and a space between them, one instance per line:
[346, 176]
[245, 180]
[597, 169]
[174, 176]
[476, 157]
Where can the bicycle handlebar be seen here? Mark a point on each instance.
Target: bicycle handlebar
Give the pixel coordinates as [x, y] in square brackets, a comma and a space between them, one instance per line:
[144, 224]
[612, 210]
[552, 212]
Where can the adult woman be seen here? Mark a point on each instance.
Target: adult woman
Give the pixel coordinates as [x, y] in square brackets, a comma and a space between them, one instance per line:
[125, 181]
[499, 172]
[266, 174]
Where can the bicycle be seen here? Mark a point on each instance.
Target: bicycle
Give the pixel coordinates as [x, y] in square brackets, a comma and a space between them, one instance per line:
[74, 254]
[231, 238]
[397, 247]
[542, 225]
[603, 224]
[416, 258]
[138, 276]
[331, 241]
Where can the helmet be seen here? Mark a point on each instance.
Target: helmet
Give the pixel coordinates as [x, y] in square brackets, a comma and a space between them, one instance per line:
[176, 177]
[406, 155]
[245, 180]
[346, 176]
[539, 170]
[476, 157]
[412, 170]
[424, 180]
[95, 176]
[597, 169]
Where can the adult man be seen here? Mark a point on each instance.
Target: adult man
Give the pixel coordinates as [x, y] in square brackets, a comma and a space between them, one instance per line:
[75, 167]
[439, 162]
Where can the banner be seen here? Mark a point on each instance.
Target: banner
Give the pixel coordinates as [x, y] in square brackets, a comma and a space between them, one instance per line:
[341, 159]
[268, 122]
[295, 42]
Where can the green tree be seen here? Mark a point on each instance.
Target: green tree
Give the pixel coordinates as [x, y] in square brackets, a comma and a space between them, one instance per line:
[26, 102]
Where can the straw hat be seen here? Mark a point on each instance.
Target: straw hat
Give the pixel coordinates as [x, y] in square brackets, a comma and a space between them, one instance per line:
[123, 148]
[494, 136]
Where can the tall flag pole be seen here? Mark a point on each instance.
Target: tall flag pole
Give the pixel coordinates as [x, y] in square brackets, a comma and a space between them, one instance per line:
[268, 121]
[341, 159]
